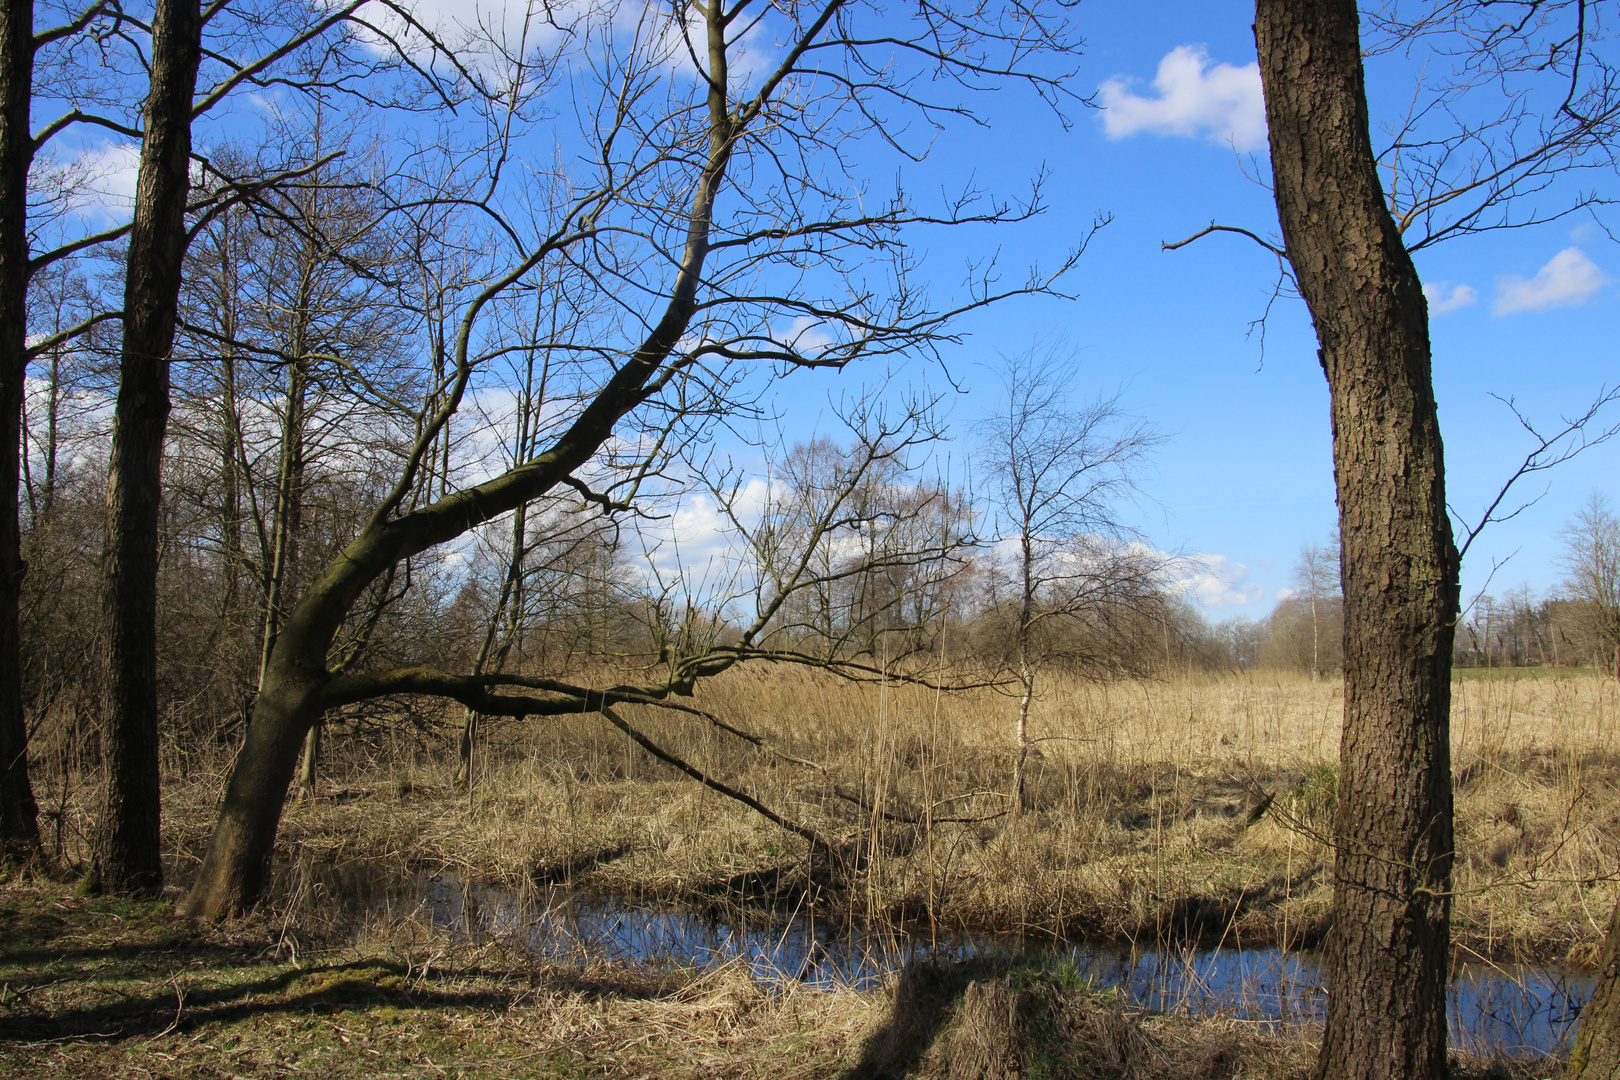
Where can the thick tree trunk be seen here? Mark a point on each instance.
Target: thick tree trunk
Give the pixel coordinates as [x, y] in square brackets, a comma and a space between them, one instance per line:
[1597, 1046]
[235, 868]
[1387, 956]
[128, 849]
[19, 816]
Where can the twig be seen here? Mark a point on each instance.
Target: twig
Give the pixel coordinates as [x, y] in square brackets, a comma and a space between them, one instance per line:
[179, 1007]
[1200, 234]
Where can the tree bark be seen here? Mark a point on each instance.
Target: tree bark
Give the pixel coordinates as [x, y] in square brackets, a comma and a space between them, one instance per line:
[1387, 956]
[309, 772]
[1597, 1047]
[128, 848]
[235, 867]
[19, 815]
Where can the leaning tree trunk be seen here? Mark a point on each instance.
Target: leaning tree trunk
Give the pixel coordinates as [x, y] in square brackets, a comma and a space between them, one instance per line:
[235, 866]
[128, 851]
[1597, 1047]
[1387, 956]
[19, 816]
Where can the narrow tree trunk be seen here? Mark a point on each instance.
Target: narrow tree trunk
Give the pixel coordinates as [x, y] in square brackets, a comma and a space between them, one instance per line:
[1316, 640]
[128, 851]
[230, 475]
[1026, 666]
[1386, 959]
[1597, 1046]
[508, 610]
[53, 420]
[288, 523]
[19, 815]
[312, 755]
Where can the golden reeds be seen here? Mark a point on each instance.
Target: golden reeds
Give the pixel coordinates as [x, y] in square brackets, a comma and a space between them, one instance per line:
[1150, 813]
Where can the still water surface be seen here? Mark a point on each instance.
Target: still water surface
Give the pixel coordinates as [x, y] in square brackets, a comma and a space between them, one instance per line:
[1508, 1009]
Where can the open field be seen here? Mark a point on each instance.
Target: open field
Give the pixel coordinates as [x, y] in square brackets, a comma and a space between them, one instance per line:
[1140, 826]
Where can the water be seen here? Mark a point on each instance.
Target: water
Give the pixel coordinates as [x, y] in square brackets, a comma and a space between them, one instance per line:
[1510, 1009]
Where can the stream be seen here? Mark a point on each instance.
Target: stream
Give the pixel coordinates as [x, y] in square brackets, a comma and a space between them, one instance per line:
[1513, 1010]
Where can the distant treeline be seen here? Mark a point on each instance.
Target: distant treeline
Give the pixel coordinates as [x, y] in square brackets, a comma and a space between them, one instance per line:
[1576, 624]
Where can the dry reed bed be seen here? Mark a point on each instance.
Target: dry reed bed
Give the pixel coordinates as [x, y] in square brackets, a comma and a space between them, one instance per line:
[1140, 826]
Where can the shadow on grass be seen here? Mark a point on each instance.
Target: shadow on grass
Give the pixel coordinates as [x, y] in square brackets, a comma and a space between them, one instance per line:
[990, 1019]
[924, 999]
[180, 1005]
[179, 1008]
[75, 968]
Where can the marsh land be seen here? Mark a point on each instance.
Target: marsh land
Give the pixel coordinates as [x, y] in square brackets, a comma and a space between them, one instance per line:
[1190, 812]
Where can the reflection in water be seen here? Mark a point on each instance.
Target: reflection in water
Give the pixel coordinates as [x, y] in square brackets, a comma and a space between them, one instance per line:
[1513, 1010]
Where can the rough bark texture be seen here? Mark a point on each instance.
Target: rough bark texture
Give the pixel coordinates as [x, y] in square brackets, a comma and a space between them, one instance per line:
[128, 852]
[1597, 1047]
[19, 817]
[1387, 955]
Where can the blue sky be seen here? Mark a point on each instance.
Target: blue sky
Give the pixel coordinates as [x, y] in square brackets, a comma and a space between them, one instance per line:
[1244, 476]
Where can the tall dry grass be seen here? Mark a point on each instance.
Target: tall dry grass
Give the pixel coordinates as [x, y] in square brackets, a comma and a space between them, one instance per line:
[1140, 827]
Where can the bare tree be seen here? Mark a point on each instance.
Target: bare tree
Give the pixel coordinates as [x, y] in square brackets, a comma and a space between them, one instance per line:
[847, 553]
[1387, 959]
[701, 274]
[159, 233]
[1058, 473]
[19, 828]
[1316, 577]
[1592, 562]
[1459, 162]
[129, 855]
[1596, 1053]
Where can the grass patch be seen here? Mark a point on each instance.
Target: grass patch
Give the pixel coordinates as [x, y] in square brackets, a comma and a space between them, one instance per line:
[97, 989]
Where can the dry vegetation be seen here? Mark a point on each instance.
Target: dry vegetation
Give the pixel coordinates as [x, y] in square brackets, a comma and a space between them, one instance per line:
[1141, 827]
[1143, 795]
[97, 987]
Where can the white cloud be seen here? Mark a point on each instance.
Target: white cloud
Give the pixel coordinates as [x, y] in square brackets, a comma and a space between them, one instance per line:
[1213, 581]
[1194, 97]
[1586, 232]
[806, 336]
[1443, 301]
[488, 34]
[697, 540]
[484, 34]
[100, 180]
[1568, 280]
